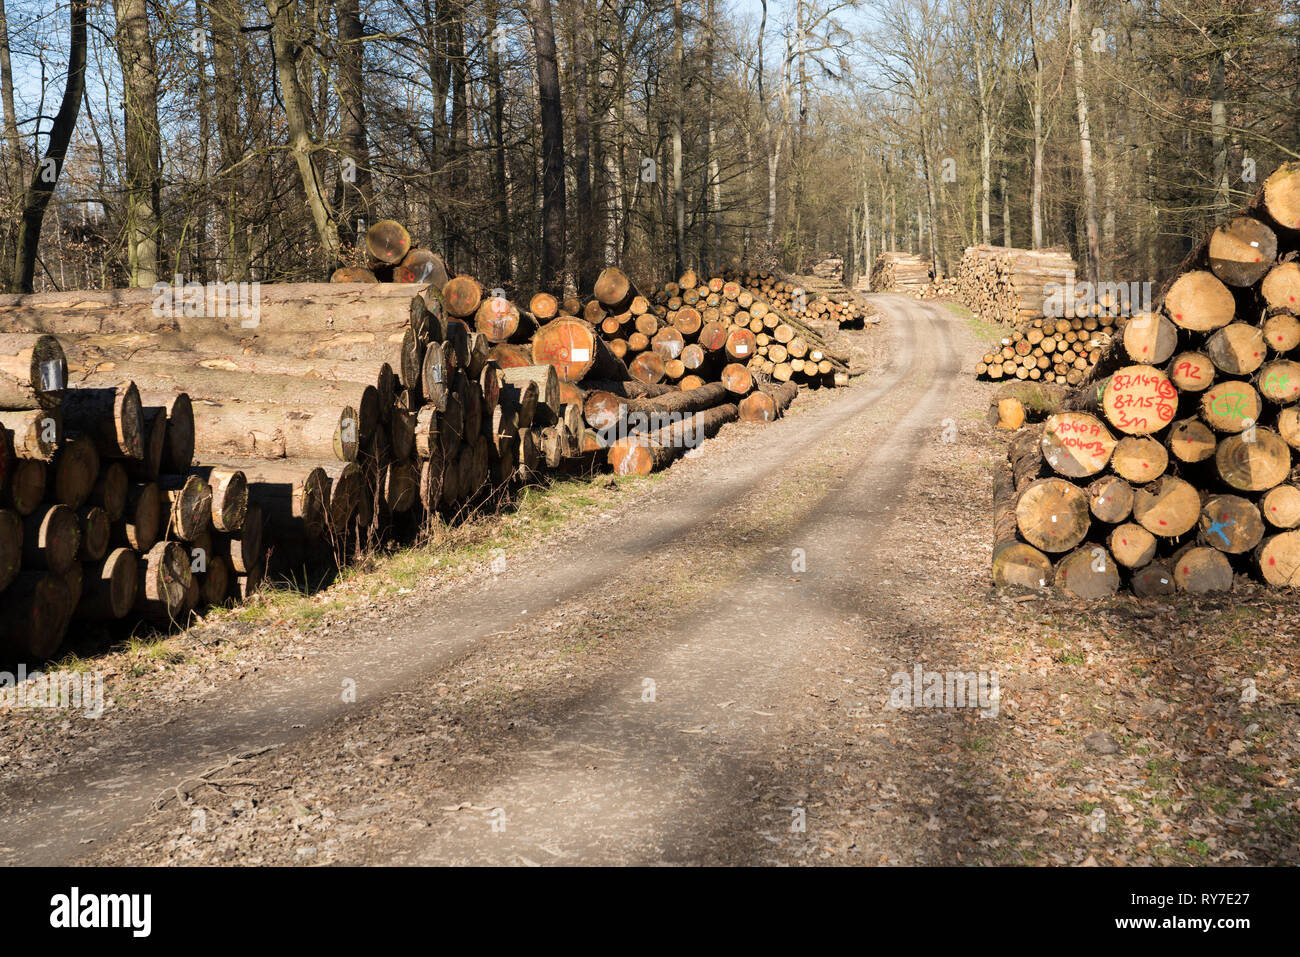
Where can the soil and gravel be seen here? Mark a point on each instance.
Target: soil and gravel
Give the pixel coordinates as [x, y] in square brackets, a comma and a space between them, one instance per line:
[698, 669]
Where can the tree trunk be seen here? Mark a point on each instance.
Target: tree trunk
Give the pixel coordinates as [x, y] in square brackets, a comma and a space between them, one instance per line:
[38, 194]
[135, 53]
[1085, 149]
[551, 276]
[288, 46]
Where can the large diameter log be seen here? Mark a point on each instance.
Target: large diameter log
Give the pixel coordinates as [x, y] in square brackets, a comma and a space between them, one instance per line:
[229, 309]
[1076, 444]
[1191, 371]
[1150, 338]
[497, 319]
[109, 490]
[388, 241]
[243, 548]
[111, 414]
[142, 517]
[155, 438]
[766, 404]
[51, 539]
[33, 371]
[1280, 506]
[656, 450]
[1052, 515]
[270, 431]
[1282, 195]
[1131, 545]
[1279, 381]
[1088, 572]
[1278, 558]
[1014, 562]
[1237, 349]
[221, 386]
[34, 434]
[647, 367]
[1139, 400]
[109, 586]
[188, 501]
[461, 296]
[1191, 441]
[1152, 581]
[1199, 302]
[1253, 461]
[156, 356]
[293, 496]
[35, 617]
[164, 573]
[421, 266]
[228, 488]
[25, 489]
[1231, 524]
[614, 290]
[1200, 570]
[1242, 251]
[74, 471]
[1139, 459]
[1167, 508]
[575, 349]
[1110, 499]
[95, 532]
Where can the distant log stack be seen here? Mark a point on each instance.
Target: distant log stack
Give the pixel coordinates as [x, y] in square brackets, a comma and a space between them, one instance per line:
[698, 330]
[900, 272]
[823, 300]
[1013, 286]
[1050, 350]
[1172, 468]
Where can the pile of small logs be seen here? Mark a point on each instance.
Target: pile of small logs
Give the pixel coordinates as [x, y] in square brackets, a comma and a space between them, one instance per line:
[900, 272]
[637, 383]
[1012, 286]
[1171, 469]
[944, 287]
[699, 330]
[794, 298]
[1051, 350]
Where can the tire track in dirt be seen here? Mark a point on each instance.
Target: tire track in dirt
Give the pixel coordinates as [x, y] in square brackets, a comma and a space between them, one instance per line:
[633, 781]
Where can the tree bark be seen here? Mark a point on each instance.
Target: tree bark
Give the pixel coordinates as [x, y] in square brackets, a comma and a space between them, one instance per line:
[41, 188]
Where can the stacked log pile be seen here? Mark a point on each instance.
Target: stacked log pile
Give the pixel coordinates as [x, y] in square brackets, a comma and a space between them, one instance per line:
[1050, 350]
[699, 330]
[1012, 286]
[159, 455]
[900, 272]
[648, 377]
[1172, 468]
[833, 303]
[944, 287]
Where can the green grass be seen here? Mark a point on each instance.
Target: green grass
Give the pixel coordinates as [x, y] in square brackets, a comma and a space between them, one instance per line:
[444, 551]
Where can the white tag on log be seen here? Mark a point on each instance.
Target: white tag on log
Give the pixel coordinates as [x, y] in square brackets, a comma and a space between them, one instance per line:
[741, 348]
[580, 355]
[51, 376]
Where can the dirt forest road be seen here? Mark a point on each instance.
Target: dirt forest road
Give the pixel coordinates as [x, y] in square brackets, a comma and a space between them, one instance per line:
[699, 674]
